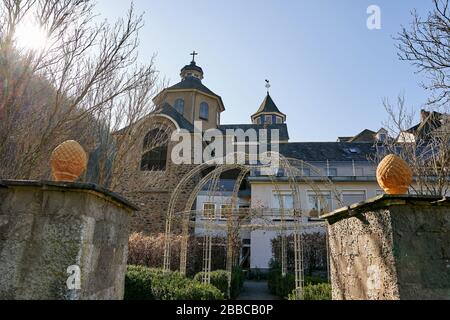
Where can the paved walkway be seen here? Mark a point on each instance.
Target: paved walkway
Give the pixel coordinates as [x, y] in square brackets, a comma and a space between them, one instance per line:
[256, 290]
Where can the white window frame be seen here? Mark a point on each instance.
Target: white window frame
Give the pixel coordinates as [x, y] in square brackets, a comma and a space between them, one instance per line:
[311, 193]
[354, 192]
[204, 210]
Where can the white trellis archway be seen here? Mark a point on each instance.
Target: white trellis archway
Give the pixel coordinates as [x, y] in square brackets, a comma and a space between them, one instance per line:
[243, 219]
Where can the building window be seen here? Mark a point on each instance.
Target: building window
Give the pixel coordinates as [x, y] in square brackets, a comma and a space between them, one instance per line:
[284, 200]
[332, 172]
[359, 172]
[204, 111]
[154, 157]
[258, 120]
[319, 203]
[306, 172]
[209, 210]
[382, 137]
[268, 119]
[179, 105]
[351, 197]
[279, 120]
[225, 211]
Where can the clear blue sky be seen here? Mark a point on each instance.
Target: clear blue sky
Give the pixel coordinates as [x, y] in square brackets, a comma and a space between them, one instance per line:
[329, 73]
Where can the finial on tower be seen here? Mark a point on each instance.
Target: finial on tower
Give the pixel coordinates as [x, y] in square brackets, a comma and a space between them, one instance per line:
[267, 86]
[193, 54]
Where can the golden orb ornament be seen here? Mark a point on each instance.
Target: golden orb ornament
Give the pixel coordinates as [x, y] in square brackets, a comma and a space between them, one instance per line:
[394, 175]
[68, 161]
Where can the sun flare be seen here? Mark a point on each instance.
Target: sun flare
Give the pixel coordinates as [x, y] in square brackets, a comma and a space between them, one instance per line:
[30, 36]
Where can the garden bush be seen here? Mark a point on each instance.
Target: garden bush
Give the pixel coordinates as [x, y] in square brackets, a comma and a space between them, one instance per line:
[142, 283]
[321, 291]
[219, 279]
[284, 286]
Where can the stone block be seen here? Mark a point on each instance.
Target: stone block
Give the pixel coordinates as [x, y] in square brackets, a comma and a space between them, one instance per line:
[391, 247]
[48, 230]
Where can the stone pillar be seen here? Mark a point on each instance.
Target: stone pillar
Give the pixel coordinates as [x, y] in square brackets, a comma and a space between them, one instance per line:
[62, 241]
[391, 247]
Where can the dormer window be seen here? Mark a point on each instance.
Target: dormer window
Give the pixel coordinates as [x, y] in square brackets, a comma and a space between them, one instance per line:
[258, 120]
[179, 106]
[204, 111]
[268, 119]
[382, 137]
[279, 120]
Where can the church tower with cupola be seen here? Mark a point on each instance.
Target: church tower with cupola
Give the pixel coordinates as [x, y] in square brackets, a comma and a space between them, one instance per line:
[268, 113]
[192, 99]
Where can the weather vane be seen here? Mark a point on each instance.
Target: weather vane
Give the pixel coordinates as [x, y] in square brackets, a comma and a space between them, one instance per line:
[193, 54]
[267, 85]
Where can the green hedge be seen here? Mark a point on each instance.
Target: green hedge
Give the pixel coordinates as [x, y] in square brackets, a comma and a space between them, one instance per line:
[321, 291]
[142, 283]
[283, 286]
[219, 279]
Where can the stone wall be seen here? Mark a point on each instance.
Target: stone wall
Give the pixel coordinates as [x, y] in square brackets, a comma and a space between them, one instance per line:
[47, 227]
[391, 247]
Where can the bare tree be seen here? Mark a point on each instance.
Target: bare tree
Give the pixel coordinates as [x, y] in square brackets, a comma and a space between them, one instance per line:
[84, 83]
[426, 45]
[424, 146]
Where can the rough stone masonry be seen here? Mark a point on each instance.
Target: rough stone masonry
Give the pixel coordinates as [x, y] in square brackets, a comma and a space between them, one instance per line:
[391, 247]
[62, 241]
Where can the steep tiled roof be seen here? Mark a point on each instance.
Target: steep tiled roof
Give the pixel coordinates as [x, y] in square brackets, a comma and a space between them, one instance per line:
[364, 136]
[183, 123]
[268, 106]
[332, 151]
[193, 83]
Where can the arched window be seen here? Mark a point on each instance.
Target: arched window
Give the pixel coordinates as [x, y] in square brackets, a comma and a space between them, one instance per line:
[204, 111]
[179, 105]
[154, 157]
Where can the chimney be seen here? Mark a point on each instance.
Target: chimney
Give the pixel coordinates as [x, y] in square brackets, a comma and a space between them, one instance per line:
[424, 115]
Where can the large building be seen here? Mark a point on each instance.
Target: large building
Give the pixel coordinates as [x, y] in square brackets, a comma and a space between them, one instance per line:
[340, 172]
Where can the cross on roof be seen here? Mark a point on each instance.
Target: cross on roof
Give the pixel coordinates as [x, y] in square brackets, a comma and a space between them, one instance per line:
[193, 54]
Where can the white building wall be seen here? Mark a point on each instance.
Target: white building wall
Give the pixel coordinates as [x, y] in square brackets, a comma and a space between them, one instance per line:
[263, 196]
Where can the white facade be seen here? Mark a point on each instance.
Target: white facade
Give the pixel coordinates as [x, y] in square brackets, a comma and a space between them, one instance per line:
[264, 195]
[316, 197]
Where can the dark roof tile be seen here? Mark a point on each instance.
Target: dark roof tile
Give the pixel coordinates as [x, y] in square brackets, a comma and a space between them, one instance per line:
[332, 151]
